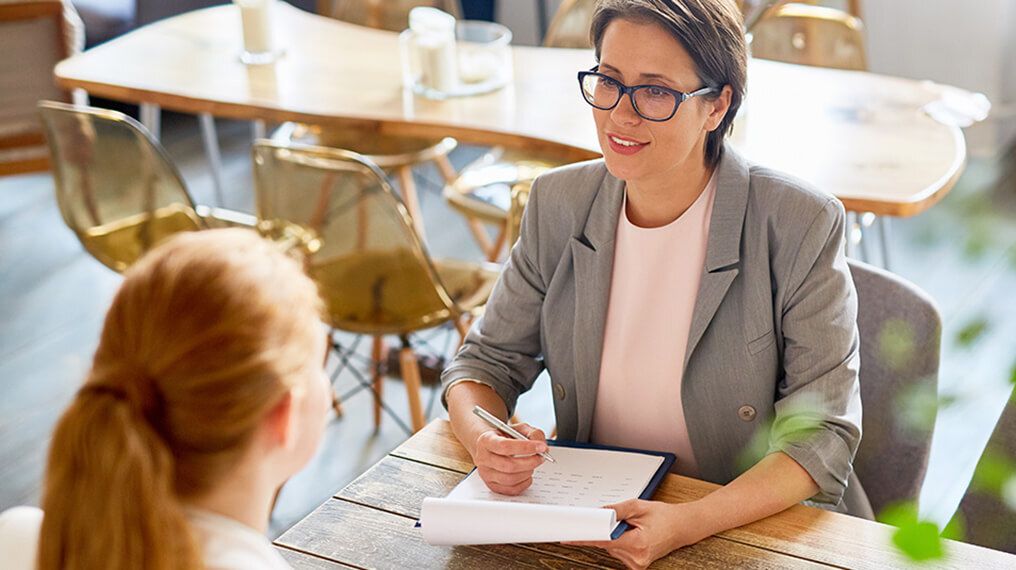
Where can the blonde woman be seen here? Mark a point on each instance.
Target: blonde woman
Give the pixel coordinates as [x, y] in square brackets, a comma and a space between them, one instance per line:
[206, 394]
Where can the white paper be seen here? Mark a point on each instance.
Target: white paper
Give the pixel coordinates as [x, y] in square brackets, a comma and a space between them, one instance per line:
[564, 502]
[452, 521]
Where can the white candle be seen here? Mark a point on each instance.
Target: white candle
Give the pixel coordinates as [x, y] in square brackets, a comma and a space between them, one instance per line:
[255, 16]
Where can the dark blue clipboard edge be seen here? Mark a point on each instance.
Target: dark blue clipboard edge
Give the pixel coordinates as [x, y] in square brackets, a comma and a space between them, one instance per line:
[647, 493]
[654, 483]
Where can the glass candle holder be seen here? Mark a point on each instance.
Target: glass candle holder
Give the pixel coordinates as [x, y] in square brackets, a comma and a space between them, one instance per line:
[480, 61]
[258, 39]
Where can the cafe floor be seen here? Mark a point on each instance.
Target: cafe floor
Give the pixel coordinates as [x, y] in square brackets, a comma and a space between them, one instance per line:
[53, 296]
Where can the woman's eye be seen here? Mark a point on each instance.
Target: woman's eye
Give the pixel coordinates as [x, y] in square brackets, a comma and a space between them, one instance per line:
[608, 82]
[656, 92]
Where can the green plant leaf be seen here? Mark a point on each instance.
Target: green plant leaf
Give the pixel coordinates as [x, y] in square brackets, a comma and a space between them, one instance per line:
[972, 332]
[916, 539]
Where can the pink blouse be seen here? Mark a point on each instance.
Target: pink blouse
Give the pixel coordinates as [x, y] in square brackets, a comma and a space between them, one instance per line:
[653, 289]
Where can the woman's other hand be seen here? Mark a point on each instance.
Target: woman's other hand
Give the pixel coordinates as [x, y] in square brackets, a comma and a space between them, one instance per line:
[657, 529]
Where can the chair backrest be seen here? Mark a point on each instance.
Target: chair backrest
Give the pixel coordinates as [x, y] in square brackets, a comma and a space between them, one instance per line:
[115, 185]
[570, 26]
[988, 519]
[371, 268]
[36, 35]
[19, 537]
[392, 15]
[900, 330]
[811, 35]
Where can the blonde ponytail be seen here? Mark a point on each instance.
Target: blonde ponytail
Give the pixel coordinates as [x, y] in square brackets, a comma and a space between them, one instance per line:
[204, 336]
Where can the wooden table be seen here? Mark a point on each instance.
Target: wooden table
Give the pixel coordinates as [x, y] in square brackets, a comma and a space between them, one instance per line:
[860, 136]
[369, 524]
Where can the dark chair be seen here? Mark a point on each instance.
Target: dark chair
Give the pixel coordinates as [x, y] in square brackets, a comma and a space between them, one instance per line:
[989, 521]
[900, 330]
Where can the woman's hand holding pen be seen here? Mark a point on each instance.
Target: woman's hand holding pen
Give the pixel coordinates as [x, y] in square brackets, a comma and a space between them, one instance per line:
[505, 464]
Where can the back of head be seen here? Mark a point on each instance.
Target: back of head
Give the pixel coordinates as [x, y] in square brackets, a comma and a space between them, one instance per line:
[207, 333]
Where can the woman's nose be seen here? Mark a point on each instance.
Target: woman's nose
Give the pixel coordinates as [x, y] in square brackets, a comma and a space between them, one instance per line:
[624, 113]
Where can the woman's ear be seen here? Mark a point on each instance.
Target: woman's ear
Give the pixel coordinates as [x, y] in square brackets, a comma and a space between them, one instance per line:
[280, 423]
[718, 108]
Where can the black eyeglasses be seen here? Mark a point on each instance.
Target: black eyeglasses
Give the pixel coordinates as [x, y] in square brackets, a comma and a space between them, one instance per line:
[651, 102]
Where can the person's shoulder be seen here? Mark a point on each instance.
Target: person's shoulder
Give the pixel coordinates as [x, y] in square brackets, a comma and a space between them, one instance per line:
[788, 201]
[565, 184]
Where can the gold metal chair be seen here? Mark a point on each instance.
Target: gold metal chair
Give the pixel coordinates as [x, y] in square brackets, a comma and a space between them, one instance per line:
[37, 34]
[395, 155]
[116, 187]
[372, 268]
[811, 35]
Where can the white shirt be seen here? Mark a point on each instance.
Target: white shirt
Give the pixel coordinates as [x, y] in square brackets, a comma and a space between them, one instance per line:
[226, 544]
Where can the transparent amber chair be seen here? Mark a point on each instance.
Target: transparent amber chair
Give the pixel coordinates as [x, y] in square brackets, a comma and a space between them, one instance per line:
[372, 268]
[396, 155]
[811, 35]
[116, 187]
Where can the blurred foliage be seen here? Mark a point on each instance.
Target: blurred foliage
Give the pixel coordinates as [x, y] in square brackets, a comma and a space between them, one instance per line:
[919, 405]
[972, 332]
[918, 540]
[897, 344]
[994, 472]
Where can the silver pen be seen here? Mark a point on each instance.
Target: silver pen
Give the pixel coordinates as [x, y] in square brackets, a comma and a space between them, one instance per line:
[507, 429]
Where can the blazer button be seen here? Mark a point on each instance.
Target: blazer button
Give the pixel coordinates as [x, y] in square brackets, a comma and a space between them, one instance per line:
[746, 413]
[559, 391]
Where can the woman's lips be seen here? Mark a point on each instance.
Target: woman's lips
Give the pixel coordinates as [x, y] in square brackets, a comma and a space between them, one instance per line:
[624, 145]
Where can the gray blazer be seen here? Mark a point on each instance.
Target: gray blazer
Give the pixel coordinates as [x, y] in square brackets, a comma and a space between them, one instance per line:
[772, 358]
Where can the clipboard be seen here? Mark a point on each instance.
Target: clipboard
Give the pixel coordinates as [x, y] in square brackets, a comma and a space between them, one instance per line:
[654, 483]
[479, 530]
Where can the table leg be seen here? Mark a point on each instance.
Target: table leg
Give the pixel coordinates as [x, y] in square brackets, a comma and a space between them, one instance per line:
[211, 140]
[883, 227]
[149, 114]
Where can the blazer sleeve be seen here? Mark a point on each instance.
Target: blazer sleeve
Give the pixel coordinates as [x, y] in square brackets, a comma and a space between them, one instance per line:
[818, 408]
[503, 348]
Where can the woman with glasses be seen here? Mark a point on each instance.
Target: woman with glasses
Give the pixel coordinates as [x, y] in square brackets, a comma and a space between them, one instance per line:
[681, 298]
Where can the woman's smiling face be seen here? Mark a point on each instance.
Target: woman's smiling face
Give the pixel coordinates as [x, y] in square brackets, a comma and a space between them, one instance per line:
[635, 149]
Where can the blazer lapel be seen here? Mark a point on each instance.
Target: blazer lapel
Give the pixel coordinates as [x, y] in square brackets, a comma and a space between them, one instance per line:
[723, 248]
[593, 258]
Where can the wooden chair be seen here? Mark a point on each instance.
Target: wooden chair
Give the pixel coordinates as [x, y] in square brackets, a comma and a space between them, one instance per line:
[570, 26]
[391, 15]
[811, 35]
[36, 35]
[372, 268]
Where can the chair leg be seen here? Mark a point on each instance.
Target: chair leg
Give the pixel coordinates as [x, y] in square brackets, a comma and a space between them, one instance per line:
[411, 377]
[480, 235]
[377, 353]
[499, 243]
[337, 405]
[258, 129]
[446, 168]
[409, 196]
[211, 140]
[462, 325]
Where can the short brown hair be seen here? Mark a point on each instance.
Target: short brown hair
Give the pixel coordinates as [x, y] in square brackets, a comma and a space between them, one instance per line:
[712, 33]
